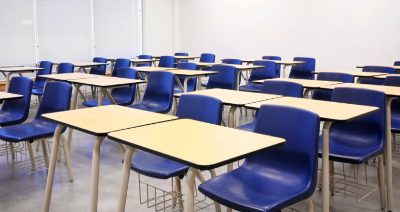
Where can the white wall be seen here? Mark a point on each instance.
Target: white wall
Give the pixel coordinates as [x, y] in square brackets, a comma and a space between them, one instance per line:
[339, 34]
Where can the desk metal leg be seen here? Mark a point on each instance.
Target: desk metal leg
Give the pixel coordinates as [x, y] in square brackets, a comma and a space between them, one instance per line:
[112, 67]
[189, 189]
[73, 106]
[231, 124]
[52, 167]
[8, 81]
[126, 170]
[306, 92]
[95, 173]
[283, 71]
[325, 166]
[389, 155]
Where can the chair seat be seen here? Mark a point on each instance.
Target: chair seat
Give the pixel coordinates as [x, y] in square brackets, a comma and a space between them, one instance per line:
[177, 89]
[347, 154]
[395, 123]
[35, 129]
[106, 101]
[372, 81]
[158, 167]
[156, 109]
[9, 118]
[243, 190]
[247, 127]
[252, 87]
[37, 91]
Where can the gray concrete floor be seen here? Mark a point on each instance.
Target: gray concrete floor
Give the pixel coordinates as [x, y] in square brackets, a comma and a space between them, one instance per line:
[22, 192]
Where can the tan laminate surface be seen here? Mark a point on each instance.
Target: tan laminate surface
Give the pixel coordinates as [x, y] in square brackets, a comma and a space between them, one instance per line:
[141, 60]
[388, 90]
[9, 66]
[184, 72]
[16, 69]
[150, 69]
[276, 61]
[197, 142]
[305, 83]
[4, 96]
[106, 81]
[105, 119]
[82, 64]
[233, 97]
[69, 76]
[354, 73]
[385, 75]
[325, 109]
[242, 67]
[395, 67]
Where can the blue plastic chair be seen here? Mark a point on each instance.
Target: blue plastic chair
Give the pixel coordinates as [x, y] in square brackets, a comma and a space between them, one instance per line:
[120, 63]
[267, 72]
[196, 107]
[143, 64]
[396, 63]
[181, 54]
[191, 83]
[326, 95]
[159, 93]
[63, 68]
[16, 111]
[166, 61]
[395, 106]
[270, 181]
[232, 61]
[99, 70]
[56, 98]
[382, 69]
[225, 79]
[206, 58]
[278, 66]
[122, 96]
[284, 88]
[303, 71]
[39, 82]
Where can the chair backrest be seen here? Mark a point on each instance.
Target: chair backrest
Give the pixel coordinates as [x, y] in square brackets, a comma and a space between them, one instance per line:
[278, 66]
[302, 142]
[181, 54]
[232, 61]
[56, 97]
[22, 86]
[326, 95]
[120, 63]
[392, 81]
[267, 72]
[207, 58]
[396, 63]
[395, 106]
[159, 91]
[303, 71]
[99, 70]
[166, 61]
[365, 132]
[225, 79]
[125, 94]
[200, 108]
[382, 69]
[65, 68]
[144, 57]
[192, 81]
[284, 88]
[39, 82]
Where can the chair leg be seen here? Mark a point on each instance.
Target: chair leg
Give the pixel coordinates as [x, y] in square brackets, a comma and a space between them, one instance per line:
[309, 204]
[40, 99]
[319, 180]
[32, 157]
[37, 146]
[46, 159]
[381, 178]
[179, 190]
[217, 205]
[67, 158]
[332, 176]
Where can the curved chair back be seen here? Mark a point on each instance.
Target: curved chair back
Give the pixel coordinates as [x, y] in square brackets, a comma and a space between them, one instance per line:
[225, 79]
[303, 71]
[326, 95]
[144, 57]
[65, 68]
[382, 69]
[56, 97]
[181, 54]
[302, 143]
[207, 58]
[39, 82]
[232, 61]
[191, 84]
[268, 72]
[120, 63]
[166, 61]
[396, 63]
[200, 108]
[278, 66]
[99, 70]
[368, 131]
[395, 106]
[18, 108]
[159, 91]
[125, 95]
[284, 88]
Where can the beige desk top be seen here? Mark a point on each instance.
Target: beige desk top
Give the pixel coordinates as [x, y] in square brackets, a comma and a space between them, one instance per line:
[197, 144]
[184, 72]
[176, 57]
[328, 111]
[240, 67]
[69, 76]
[107, 81]
[150, 69]
[205, 64]
[305, 83]
[233, 97]
[5, 96]
[354, 73]
[390, 91]
[276, 61]
[19, 69]
[385, 75]
[9, 66]
[395, 67]
[101, 120]
[82, 64]
[114, 59]
[141, 60]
